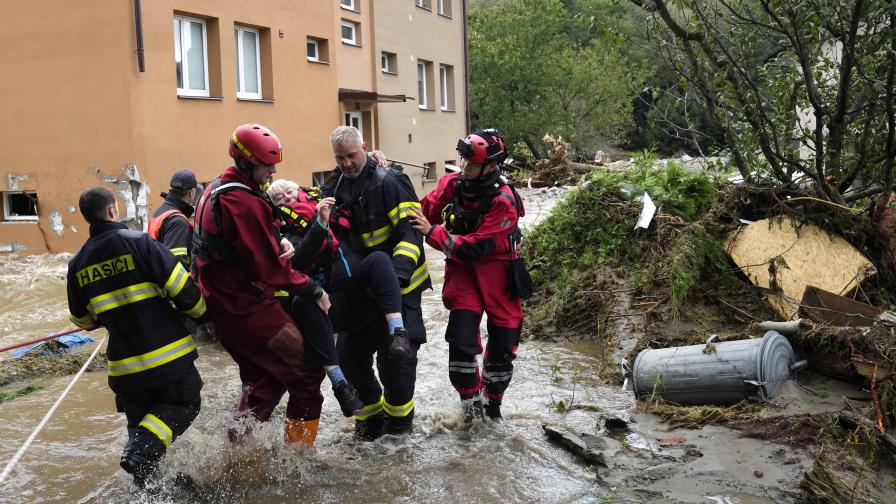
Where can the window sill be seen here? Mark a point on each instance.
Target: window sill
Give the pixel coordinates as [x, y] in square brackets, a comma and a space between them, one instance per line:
[424, 8]
[191, 97]
[427, 109]
[318, 61]
[356, 11]
[389, 73]
[350, 43]
[12, 220]
[446, 16]
[257, 100]
[449, 110]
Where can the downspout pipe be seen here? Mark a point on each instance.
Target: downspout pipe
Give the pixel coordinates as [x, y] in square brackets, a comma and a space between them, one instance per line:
[466, 68]
[138, 20]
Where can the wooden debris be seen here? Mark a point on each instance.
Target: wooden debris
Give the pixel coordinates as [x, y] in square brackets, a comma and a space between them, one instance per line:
[853, 420]
[827, 307]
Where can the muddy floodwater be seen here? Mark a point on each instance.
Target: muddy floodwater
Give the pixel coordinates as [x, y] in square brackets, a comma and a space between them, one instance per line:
[75, 458]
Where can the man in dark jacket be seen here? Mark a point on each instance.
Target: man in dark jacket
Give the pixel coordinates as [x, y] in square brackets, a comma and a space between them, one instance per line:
[126, 281]
[375, 202]
[240, 264]
[170, 223]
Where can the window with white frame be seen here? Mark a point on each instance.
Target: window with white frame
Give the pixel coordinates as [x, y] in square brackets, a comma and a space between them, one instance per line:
[389, 62]
[444, 7]
[191, 56]
[426, 4]
[350, 32]
[20, 206]
[248, 63]
[424, 84]
[349, 4]
[446, 86]
[422, 99]
[313, 50]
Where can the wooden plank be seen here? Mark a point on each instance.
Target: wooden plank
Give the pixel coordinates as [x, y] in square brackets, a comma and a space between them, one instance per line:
[827, 307]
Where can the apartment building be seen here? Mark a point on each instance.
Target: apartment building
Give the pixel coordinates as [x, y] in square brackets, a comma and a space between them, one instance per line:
[121, 94]
[419, 55]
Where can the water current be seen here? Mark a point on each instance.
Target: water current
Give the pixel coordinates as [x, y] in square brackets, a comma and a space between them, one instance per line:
[75, 458]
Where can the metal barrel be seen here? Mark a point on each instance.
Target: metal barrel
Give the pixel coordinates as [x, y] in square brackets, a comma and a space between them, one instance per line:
[719, 373]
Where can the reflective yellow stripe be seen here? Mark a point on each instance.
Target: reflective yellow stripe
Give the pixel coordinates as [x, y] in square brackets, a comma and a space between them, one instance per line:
[176, 280]
[242, 148]
[152, 359]
[197, 310]
[86, 320]
[376, 236]
[420, 274]
[280, 293]
[155, 425]
[407, 249]
[121, 297]
[402, 210]
[399, 411]
[179, 251]
[371, 409]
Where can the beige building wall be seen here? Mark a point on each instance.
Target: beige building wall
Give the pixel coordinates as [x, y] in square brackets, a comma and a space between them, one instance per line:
[85, 116]
[413, 34]
[355, 64]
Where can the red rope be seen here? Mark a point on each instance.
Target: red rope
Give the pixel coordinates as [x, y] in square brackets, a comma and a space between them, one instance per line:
[45, 338]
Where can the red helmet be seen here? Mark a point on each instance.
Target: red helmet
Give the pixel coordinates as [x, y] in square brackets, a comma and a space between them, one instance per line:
[483, 147]
[256, 143]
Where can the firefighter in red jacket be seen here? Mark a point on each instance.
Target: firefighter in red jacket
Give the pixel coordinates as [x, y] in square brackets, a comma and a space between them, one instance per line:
[170, 223]
[472, 217]
[240, 262]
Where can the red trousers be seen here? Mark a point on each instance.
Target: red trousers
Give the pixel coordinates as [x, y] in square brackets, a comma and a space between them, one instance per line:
[469, 290]
[269, 350]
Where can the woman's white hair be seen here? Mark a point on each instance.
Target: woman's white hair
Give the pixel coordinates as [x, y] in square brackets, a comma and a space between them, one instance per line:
[280, 187]
[345, 134]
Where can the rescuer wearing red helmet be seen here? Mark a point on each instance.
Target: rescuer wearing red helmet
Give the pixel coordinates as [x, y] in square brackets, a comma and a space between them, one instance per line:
[472, 217]
[239, 265]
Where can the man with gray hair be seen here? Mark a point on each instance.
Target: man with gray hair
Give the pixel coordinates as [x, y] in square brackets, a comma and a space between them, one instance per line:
[371, 216]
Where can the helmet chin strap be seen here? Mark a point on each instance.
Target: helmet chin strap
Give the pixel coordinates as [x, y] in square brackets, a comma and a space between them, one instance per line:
[244, 167]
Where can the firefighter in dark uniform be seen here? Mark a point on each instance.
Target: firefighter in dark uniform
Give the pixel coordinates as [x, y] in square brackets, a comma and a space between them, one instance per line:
[376, 202]
[475, 213]
[134, 287]
[170, 223]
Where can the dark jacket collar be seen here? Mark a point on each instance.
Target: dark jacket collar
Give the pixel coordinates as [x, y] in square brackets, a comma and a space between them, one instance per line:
[181, 205]
[102, 227]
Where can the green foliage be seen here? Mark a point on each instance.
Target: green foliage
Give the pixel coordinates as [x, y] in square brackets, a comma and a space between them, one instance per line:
[8, 396]
[538, 67]
[591, 232]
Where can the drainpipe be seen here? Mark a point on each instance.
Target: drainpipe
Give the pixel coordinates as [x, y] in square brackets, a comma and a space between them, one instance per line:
[138, 19]
[466, 68]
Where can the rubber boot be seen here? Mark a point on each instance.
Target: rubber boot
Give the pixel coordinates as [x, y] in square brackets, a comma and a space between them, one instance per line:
[472, 408]
[370, 428]
[141, 456]
[399, 425]
[493, 410]
[301, 431]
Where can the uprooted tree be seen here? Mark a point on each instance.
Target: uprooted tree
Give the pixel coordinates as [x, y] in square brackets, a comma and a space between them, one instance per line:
[796, 87]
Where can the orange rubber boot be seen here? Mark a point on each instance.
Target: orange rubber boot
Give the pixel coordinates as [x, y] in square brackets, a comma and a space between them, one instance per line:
[301, 431]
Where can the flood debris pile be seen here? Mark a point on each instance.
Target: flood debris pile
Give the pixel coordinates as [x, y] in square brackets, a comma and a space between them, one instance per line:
[734, 260]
